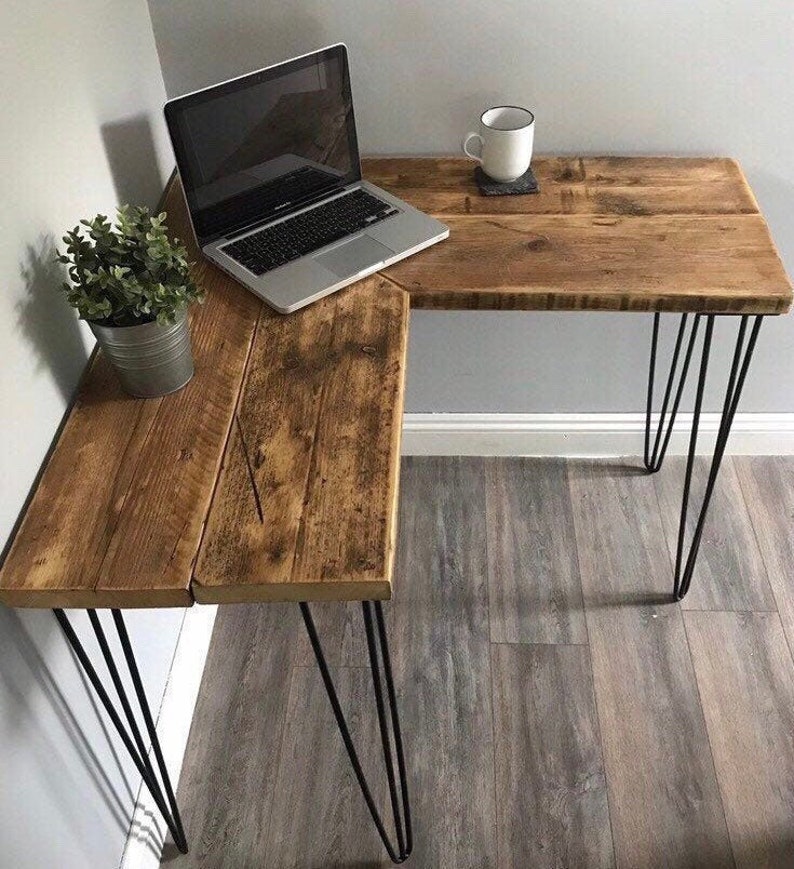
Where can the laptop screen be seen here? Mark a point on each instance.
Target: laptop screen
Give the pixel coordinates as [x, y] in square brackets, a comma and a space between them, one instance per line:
[265, 144]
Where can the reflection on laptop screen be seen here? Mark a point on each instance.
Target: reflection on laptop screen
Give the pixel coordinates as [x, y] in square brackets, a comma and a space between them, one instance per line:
[257, 146]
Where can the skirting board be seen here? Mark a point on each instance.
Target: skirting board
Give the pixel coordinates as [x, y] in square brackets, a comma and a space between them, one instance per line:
[584, 434]
[147, 831]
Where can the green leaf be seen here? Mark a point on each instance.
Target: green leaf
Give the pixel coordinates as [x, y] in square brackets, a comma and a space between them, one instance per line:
[127, 272]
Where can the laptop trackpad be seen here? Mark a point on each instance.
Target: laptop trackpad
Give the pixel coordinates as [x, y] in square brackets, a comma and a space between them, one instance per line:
[354, 256]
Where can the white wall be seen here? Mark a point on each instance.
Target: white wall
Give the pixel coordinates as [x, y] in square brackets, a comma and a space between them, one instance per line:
[625, 76]
[81, 101]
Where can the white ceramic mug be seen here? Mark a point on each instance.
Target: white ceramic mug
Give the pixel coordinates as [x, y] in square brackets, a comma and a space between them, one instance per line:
[506, 136]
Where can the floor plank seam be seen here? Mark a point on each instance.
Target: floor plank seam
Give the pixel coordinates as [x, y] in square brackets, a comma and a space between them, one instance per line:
[497, 820]
[727, 612]
[694, 675]
[708, 738]
[558, 777]
[527, 644]
[761, 549]
[281, 739]
[592, 678]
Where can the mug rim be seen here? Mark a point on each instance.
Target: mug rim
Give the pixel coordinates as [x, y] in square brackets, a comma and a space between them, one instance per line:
[529, 123]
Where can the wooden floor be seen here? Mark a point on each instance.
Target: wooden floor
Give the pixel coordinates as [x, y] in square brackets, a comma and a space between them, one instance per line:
[558, 710]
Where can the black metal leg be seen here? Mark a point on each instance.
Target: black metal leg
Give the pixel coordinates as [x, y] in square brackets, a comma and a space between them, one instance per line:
[402, 821]
[655, 457]
[134, 743]
[685, 563]
[743, 352]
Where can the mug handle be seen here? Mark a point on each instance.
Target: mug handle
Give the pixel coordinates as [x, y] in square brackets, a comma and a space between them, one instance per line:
[477, 157]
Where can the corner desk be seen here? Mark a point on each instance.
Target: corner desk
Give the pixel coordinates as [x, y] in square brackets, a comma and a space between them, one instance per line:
[273, 475]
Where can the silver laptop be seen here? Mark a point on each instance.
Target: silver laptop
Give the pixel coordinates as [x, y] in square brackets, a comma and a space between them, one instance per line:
[270, 168]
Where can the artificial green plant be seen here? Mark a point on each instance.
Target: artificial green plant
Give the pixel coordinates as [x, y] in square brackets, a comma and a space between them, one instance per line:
[127, 274]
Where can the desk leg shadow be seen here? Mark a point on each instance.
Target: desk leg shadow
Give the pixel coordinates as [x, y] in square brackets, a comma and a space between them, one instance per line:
[131, 734]
[654, 456]
[377, 646]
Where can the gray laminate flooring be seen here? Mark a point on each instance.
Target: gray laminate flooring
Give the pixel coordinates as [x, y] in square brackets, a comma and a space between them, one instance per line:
[559, 712]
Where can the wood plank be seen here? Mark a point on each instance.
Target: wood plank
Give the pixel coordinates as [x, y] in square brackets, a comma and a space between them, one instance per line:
[664, 801]
[768, 486]
[306, 502]
[724, 264]
[730, 572]
[551, 791]
[440, 652]
[117, 516]
[320, 818]
[533, 574]
[604, 233]
[339, 625]
[573, 185]
[662, 790]
[743, 665]
[226, 788]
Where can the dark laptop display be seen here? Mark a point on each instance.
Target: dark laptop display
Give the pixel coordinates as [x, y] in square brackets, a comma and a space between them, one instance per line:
[270, 168]
[263, 145]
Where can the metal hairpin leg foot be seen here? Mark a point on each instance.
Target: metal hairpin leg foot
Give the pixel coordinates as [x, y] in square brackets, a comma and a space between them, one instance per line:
[132, 738]
[402, 821]
[685, 564]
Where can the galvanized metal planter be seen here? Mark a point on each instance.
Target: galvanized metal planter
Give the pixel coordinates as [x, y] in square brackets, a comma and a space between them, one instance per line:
[149, 359]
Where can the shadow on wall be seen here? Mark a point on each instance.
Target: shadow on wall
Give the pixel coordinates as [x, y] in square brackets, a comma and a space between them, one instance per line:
[132, 158]
[248, 40]
[47, 322]
[24, 674]
[45, 319]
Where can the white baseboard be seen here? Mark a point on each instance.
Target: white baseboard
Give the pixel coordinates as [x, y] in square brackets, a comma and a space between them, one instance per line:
[145, 840]
[584, 434]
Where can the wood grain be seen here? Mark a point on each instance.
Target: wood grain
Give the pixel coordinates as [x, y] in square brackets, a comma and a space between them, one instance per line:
[257, 793]
[533, 575]
[306, 501]
[604, 233]
[746, 679]
[573, 185]
[610, 263]
[335, 823]
[730, 572]
[552, 807]
[664, 801]
[439, 645]
[226, 792]
[117, 516]
[305, 506]
[768, 486]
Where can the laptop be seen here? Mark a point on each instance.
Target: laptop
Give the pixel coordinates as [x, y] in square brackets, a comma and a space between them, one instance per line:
[271, 173]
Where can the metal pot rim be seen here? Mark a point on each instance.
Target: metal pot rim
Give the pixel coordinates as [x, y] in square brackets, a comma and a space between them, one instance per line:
[180, 315]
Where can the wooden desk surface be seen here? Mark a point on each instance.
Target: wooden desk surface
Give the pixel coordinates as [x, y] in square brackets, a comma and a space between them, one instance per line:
[273, 475]
[274, 471]
[604, 233]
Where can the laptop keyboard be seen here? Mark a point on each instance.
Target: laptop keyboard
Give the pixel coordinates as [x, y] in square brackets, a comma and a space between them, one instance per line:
[305, 233]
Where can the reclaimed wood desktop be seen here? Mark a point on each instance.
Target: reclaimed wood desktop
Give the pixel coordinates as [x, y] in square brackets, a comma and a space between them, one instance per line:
[273, 475]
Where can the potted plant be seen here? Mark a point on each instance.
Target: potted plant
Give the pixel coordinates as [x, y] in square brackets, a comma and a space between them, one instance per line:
[132, 285]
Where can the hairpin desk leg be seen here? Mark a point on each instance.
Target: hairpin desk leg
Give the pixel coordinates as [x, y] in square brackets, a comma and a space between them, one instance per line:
[132, 738]
[685, 564]
[655, 457]
[377, 646]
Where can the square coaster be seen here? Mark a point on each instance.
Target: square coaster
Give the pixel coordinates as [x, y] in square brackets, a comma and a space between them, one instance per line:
[527, 183]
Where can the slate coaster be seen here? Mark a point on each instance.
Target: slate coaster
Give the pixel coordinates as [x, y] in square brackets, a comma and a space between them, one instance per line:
[527, 183]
